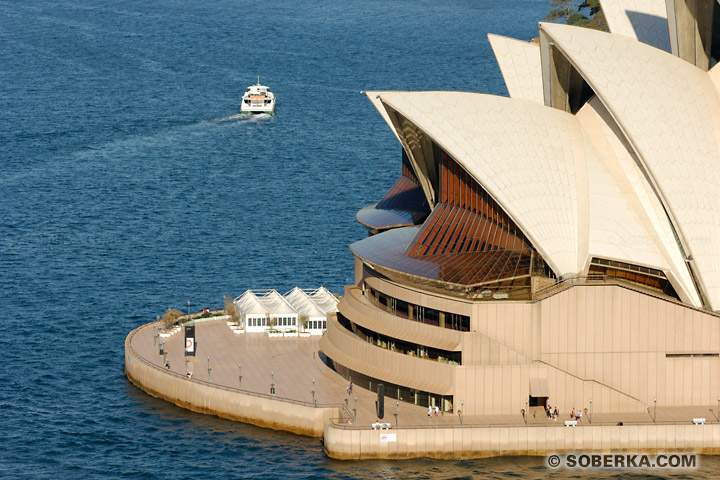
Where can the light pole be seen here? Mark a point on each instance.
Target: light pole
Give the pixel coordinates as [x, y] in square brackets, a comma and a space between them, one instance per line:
[355, 409]
[313, 394]
[397, 413]
[239, 375]
[209, 368]
[718, 409]
[188, 309]
[590, 418]
[157, 325]
[655, 410]
[272, 383]
[527, 410]
[462, 411]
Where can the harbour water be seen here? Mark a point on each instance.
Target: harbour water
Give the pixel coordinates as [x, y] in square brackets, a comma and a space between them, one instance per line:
[129, 185]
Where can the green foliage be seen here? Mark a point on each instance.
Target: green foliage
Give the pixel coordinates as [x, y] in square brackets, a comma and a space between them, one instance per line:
[231, 309]
[587, 13]
[576, 18]
[561, 9]
[170, 317]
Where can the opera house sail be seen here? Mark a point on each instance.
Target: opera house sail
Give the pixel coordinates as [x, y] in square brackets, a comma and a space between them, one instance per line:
[558, 245]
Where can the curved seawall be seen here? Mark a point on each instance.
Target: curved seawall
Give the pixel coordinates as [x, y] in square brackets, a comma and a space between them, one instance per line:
[234, 404]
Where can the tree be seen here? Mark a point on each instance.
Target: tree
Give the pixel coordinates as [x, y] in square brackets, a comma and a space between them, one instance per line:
[231, 309]
[170, 317]
[561, 10]
[303, 320]
[587, 13]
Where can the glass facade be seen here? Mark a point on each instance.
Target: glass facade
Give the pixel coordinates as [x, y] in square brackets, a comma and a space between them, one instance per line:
[392, 391]
[418, 313]
[643, 276]
[401, 346]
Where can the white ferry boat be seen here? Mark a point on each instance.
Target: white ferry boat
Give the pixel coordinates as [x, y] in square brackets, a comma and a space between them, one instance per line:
[258, 99]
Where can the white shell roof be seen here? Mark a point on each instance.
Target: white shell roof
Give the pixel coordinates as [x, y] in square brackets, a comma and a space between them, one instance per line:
[520, 66]
[375, 99]
[643, 20]
[669, 111]
[568, 181]
[525, 155]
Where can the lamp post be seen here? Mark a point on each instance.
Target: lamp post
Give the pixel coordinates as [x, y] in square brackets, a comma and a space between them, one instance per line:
[188, 309]
[239, 375]
[155, 329]
[590, 418]
[355, 409]
[527, 410]
[655, 410]
[397, 413]
[718, 409]
[462, 411]
[313, 394]
[209, 367]
[272, 383]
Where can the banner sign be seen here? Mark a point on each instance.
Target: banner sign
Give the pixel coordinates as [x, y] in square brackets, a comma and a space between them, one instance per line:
[388, 437]
[190, 341]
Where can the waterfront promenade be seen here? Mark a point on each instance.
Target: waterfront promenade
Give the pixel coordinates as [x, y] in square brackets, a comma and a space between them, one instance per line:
[292, 363]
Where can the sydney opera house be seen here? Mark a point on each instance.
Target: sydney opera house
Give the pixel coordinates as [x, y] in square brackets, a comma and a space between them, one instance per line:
[560, 246]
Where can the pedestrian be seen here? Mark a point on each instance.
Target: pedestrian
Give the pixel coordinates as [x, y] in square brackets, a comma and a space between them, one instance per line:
[430, 411]
[555, 414]
[572, 414]
[437, 411]
[578, 415]
[351, 388]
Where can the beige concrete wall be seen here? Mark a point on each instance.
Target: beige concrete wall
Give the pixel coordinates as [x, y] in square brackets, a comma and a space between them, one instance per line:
[474, 442]
[352, 352]
[504, 389]
[257, 409]
[605, 342]
[358, 309]
[620, 338]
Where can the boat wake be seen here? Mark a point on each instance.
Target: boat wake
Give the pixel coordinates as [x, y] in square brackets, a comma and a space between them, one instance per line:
[240, 118]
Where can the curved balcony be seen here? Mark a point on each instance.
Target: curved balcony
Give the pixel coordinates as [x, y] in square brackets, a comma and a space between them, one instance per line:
[350, 351]
[358, 309]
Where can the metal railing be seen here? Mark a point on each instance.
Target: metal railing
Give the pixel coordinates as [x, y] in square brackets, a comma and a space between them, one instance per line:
[341, 424]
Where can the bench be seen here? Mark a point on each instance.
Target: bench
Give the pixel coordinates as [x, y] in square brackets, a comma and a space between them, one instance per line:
[381, 426]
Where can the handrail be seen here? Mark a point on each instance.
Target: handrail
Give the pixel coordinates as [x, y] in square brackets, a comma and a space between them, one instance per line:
[619, 392]
[344, 426]
[215, 385]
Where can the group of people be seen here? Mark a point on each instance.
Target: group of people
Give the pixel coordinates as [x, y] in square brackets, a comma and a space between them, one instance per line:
[435, 411]
[552, 414]
[576, 415]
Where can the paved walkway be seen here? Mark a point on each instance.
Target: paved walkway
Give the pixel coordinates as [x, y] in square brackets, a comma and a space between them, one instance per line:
[294, 364]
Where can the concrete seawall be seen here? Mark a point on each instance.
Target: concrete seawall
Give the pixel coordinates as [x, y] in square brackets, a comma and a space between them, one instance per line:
[234, 404]
[348, 443]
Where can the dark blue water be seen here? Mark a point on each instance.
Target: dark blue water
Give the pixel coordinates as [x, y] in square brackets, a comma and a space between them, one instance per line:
[127, 187]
